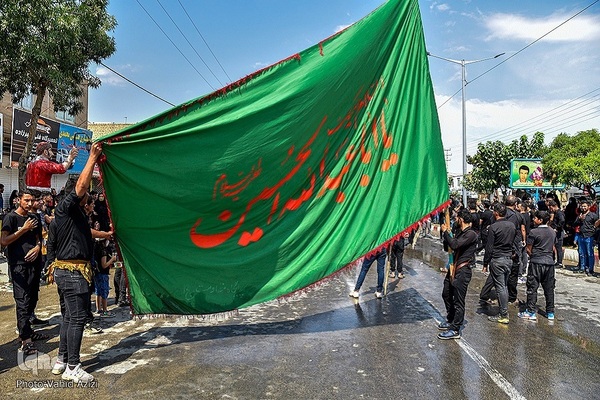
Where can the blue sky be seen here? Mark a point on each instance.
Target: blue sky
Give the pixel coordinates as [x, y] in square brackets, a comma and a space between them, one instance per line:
[552, 86]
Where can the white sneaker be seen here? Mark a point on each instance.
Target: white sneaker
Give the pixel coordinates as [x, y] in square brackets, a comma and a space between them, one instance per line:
[379, 295]
[354, 294]
[77, 375]
[59, 367]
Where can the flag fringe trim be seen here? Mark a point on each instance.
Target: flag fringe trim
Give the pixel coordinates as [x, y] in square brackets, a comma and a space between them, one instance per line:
[221, 316]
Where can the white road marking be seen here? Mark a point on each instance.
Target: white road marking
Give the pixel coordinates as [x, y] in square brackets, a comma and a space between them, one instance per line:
[492, 372]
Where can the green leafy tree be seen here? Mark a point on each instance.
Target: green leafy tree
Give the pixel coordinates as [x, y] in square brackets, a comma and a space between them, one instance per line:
[47, 46]
[491, 162]
[574, 160]
[490, 169]
[523, 148]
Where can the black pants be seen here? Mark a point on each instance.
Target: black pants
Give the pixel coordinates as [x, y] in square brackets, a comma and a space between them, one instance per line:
[23, 276]
[74, 296]
[486, 290]
[454, 294]
[397, 256]
[513, 277]
[482, 240]
[540, 274]
[560, 252]
[120, 286]
[35, 288]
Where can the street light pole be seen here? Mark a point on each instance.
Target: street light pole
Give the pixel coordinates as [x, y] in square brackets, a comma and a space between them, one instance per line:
[463, 64]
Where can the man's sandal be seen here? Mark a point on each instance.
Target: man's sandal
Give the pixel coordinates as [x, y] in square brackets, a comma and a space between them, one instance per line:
[28, 348]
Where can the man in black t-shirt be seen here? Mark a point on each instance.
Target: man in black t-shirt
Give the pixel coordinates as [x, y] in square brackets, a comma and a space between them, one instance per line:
[540, 246]
[487, 218]
[523, 208]
[557, 222]
[70, 250]
[498, 254]
[516, 218]
[21, 234]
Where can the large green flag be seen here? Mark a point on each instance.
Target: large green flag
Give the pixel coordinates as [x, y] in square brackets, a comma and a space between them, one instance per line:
[282, 178]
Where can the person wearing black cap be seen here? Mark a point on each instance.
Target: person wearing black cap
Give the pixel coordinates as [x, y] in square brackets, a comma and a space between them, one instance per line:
[40, 171]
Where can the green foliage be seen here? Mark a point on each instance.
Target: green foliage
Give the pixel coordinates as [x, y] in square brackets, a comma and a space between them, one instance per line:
[574, 160]
[49, 44]
[491, 162]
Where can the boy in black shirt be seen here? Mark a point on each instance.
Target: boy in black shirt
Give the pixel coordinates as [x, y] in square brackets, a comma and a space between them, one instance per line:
[540, 246]
[455, 286]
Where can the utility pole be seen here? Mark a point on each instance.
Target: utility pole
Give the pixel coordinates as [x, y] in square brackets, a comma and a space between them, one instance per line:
[463, 64]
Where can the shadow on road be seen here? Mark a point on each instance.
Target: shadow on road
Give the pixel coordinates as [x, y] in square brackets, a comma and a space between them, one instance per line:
[403, 307]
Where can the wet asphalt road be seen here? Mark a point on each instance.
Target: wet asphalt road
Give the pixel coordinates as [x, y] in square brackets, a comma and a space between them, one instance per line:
[325, 345]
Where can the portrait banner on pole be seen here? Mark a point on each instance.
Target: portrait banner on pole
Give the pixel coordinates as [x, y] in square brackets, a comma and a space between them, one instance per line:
[527, 173]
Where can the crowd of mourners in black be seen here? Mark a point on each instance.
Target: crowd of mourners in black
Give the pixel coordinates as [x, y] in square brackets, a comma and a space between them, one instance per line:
[522, 241]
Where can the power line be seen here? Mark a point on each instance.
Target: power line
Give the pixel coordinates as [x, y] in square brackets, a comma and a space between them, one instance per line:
[531, 122]
[578, 122]
[187, 40]
[520, 51]
[523, 124]
[136, 85]
[211, 52]
[559, 127]
[174, 45]
[566, 122]
[543, 125]
[569, 119]
[535, 41]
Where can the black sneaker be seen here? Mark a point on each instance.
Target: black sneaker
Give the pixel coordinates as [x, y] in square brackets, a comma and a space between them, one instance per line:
[92, 328]
[449, 334]
[444, 326]
[39, 322]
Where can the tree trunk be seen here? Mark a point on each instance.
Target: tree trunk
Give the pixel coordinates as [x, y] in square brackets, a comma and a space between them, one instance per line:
[35, 114]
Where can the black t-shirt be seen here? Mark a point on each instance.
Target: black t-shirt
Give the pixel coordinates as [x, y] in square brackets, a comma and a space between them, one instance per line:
[71, 235]
[17, 250]
[100, 251]
[517, 219]
[542, 241]
[487, 218]
[475, 225]
[558, 223]
[527, 222]
[463, 244]
[500, 241]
